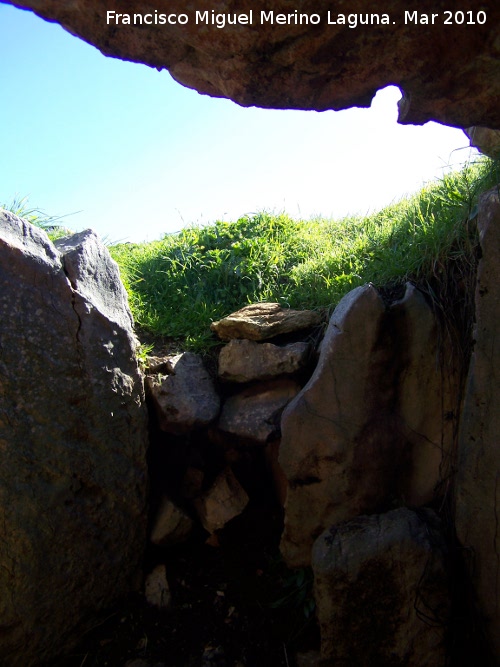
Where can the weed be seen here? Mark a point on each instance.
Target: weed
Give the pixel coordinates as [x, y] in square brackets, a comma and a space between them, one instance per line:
[50, 223]
[178, 285]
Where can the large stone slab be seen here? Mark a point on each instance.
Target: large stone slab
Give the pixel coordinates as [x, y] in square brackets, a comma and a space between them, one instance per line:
[478, 479]
[320, 56]
[363, 435]
[73, 437]
[382, 591]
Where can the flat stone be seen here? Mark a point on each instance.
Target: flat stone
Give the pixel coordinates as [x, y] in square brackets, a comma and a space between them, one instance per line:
[261, 321]
[248, 361]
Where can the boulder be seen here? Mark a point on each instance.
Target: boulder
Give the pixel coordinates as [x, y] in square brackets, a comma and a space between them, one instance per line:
[362, 435]
[248, 361]
[223, 501]
[485, 140]
[185, 398]
[319, 56]
[477, 483]
[73, 437]
[171, 524]
[382, 591]
[261, 321]
[253, 416]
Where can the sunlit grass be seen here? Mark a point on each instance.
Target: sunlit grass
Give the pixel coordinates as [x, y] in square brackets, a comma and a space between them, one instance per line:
[181, 283]
[21, 207]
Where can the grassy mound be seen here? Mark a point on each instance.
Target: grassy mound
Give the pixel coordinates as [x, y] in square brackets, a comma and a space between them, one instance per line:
[178, 285]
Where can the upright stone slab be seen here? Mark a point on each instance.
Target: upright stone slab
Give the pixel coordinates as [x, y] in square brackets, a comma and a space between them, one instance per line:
[478, 480]
[321, 424]
[373, 428]
[72, 440]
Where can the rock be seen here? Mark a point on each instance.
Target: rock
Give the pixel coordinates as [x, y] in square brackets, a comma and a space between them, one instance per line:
[171, 524]
[381, 591]
[426, 365]
[186, 398]
[156, 588]
[254, 414]
[322, 424]
[260, 321]
[362, 435]
[225, 500]
[247, 361]
[477, 484]
[279, 480]
[315, 61]
[485, 140]
[73, 436]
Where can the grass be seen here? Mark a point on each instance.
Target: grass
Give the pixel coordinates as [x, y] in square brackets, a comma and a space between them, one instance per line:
[178, 285]
[50, 223]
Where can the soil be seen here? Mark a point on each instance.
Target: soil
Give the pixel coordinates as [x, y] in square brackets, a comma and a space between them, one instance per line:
[233, 605]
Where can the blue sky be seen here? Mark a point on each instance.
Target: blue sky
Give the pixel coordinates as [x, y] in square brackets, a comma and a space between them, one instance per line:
[134, 155]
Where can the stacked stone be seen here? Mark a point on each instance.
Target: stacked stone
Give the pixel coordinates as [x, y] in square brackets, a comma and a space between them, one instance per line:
[238, 414]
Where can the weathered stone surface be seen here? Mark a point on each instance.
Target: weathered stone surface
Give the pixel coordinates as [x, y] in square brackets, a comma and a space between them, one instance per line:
[363, 434]
[425, 367]
[477, 485]
[381, 590]
[72, 440]
[156, 588]
[329, 65]
[225, 500]
[247, 361]
[171, 524]
[186, 398]
[261, 321]
[254, 414]
[485, 140]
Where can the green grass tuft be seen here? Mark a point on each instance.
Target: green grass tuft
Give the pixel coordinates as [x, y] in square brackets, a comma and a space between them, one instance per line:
[49, 223]
[178, 285]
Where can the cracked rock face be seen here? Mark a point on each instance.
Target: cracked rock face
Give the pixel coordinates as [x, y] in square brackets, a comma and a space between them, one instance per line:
[447, 63]
[372, 428]
[72, 440]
